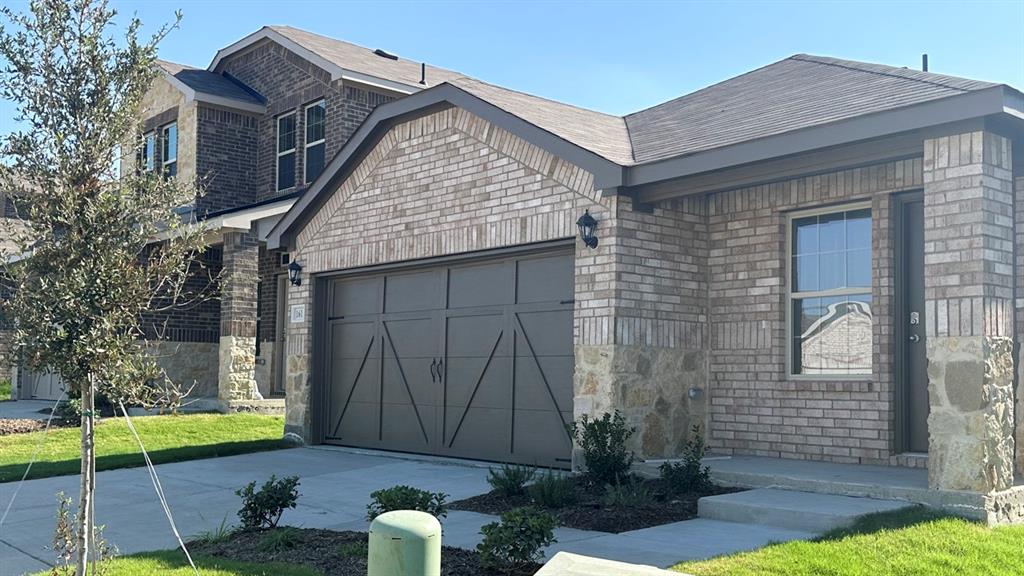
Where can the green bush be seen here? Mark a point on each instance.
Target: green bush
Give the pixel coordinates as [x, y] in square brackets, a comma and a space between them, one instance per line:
[688, 475]
[630, 494]
[263, 509]
[354, 550]
[603, 441]
[553, 490]
[407, 498]
[510, 480]
[277, 541]
[5, 390]
[218, 535]
[517, 541]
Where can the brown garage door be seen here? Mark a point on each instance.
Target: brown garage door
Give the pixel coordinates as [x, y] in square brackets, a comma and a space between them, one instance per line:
[470, 360]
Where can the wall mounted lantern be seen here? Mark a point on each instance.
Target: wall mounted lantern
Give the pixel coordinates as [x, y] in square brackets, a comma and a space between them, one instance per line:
[294, 269]
[587, 224]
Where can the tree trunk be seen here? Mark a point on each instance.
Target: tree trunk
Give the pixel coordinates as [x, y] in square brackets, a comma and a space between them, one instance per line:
[88, 486]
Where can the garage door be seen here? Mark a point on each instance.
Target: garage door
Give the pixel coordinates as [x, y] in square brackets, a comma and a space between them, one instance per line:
[471, 360]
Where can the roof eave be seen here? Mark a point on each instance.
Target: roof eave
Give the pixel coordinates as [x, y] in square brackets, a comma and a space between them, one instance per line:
[192, 95]
[977, 104]
[607, 174]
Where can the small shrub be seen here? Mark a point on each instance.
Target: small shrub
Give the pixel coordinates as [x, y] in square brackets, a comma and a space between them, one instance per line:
[5, 390]
[630, 494]
[553, 490]
[517, 541]
[603, 441]
[277, 541]
[263, 509]
[407, 498]
[70, 411]
[354, 550]
[688, 475]
[65, 542]
[510, 480]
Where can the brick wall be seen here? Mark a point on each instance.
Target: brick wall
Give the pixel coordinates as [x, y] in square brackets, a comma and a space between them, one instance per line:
[198, 323]
[288, 83]
[756, 408]
[226, 163]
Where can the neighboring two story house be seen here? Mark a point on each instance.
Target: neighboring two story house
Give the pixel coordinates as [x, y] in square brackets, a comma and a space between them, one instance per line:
[255, 129]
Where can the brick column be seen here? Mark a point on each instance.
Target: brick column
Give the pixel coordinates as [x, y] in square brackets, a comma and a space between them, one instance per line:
[968, 238]
[236, 376]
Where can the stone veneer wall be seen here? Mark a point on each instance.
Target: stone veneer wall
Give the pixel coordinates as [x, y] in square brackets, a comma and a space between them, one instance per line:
[755, 406]
[188, 364]
[969, 289]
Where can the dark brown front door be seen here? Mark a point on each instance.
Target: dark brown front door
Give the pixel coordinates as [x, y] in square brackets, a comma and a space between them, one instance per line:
[914, 360]
[470, 360]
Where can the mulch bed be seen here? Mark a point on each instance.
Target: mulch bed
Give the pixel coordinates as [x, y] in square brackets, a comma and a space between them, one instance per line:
[22, 425]
[588, 513]
[332, 553]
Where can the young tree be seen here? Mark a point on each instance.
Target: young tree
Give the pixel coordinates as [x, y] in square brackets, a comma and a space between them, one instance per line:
[89, 269]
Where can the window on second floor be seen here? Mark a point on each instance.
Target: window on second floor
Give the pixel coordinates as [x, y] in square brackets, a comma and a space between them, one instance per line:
[169, 145]
[146, 158]
[314, 159]
[286, 151]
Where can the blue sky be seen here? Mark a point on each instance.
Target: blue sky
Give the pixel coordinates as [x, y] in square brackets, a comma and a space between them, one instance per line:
[618, 57]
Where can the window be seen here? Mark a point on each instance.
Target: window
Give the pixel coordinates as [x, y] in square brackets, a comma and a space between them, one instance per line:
[169, 143]
[830, 292]
[286, 151]
[314, 161]
[146, 158]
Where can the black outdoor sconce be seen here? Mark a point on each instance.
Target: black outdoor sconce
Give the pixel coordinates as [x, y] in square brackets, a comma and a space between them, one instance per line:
[293, 273]
[587, 224]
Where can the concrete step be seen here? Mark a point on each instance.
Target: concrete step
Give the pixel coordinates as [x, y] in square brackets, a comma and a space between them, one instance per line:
[804, 511]
[566, 564]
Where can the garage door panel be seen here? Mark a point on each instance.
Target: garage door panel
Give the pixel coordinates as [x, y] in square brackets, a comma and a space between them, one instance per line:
[359, 426]
[545, 279]
[463, 436]
[545, 333]
[412, 376]
[541, 439]
[476, 336]
[351, 340]
[408, 428]
[480, 285]
[535, 385]
[476, 382]
[355, 297]
[412, 292]
[411, 338]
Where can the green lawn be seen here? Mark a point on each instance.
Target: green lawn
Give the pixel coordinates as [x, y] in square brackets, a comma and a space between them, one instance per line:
[5, 390]
[916, 542]
[173, 563]
[167, 439]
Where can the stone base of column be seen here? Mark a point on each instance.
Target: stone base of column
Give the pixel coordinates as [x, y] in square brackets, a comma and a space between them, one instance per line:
[970, 426]
[236, 377]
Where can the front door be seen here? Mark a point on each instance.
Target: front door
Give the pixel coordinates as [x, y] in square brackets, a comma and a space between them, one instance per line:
[914, 360]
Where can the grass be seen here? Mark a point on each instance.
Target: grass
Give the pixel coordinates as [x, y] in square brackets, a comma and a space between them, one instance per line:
[167, 439]
[913, 542]
[5, 390]
[173, 563]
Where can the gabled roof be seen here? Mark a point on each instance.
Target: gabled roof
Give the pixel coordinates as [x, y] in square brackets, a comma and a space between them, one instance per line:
[798, 92]
[204, 86]
[344, 59]
[603, 134]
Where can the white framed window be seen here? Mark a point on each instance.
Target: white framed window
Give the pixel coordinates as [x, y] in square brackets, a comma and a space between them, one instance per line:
[313, 160]
[169, 146]
[145, 160]
[286, 151]
[829, 292]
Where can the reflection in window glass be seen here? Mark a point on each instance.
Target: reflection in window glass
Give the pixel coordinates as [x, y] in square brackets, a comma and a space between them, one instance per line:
[169, 143]
[286, 151]
[314, 161]
[830, 294]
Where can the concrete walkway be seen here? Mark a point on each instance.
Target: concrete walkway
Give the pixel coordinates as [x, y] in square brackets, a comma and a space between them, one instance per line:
[335, 487]
[24, 409]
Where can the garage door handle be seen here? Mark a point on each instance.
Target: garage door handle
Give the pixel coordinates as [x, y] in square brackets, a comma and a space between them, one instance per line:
[433, 366]
[440, 368]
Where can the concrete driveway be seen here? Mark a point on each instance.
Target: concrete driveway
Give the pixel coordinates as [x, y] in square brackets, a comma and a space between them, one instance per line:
[25, 409]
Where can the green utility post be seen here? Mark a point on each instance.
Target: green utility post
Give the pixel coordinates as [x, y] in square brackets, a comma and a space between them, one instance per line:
[405, 543]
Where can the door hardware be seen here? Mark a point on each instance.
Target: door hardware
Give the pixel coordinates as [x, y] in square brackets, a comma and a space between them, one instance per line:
[440, 368]
[915, 318]
[914, 338]
[433, 366]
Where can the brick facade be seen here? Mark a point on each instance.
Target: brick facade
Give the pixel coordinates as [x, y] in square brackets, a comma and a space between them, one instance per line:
[756, 407]
[226, 162]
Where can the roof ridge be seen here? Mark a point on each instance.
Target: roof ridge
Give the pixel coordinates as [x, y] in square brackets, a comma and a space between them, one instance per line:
[852, 65]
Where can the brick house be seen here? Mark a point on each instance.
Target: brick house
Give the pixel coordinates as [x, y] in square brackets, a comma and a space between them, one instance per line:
[815, 260]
